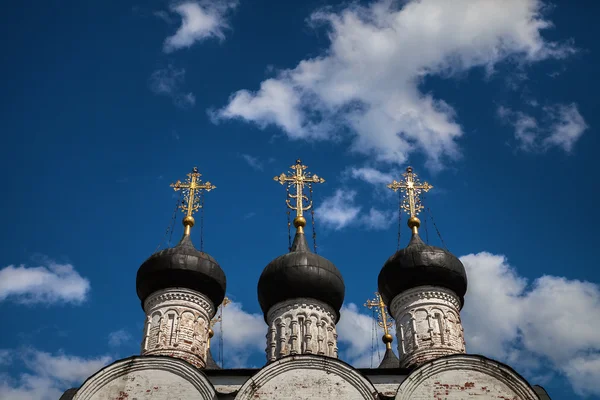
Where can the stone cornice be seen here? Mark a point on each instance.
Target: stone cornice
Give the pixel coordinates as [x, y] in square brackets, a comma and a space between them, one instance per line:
[179, 294]
[306, 304]
[424, 293]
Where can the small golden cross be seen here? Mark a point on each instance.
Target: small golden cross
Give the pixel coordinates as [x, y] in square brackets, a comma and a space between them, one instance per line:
[383, 319]
[298, 179]
[191, 189]
[412, 188]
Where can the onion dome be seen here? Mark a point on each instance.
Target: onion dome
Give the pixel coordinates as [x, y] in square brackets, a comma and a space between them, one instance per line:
[301, 273]
[182, 266]
[419, 264]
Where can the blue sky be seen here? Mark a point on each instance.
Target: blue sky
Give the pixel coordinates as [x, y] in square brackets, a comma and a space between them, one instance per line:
[104, 104]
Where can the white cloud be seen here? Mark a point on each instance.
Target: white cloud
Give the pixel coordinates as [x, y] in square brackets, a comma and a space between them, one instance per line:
[372, 175]
[167, 81]
[243, 335]
[567, 126]
[356, 338]
[48, 376]
[200, 20]
[562, 126]
[340, 211]
[583, 372]
[367, 83]
[5, 357]
[553, 322]
[117, 338]
[377, 220]
[48, 283]
[254, 162]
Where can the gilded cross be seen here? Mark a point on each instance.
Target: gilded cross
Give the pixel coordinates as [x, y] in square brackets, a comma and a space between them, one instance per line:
[383, 319]
[191, 189]
[298, 178]
[412, 188]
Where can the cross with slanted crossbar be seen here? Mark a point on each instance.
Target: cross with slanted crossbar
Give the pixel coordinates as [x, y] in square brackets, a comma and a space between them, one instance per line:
[191, 196]
[298, 178]
[383, 319]
[412, 187]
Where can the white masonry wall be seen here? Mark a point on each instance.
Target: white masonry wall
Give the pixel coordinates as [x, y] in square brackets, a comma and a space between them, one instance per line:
[177, 323]
[301, 326]
[464, 377]
[147, 378]
[428, 324]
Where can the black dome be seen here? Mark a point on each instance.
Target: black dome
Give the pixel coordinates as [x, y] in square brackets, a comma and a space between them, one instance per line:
[419, 264]
[301, 273]
[182, 266]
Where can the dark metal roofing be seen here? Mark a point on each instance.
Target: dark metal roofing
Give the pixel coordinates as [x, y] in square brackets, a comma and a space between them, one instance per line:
[301, 273]
[182, 266]
[69, 394]
[210, 361]
[541, 392]
[419, 264]
[390, 360]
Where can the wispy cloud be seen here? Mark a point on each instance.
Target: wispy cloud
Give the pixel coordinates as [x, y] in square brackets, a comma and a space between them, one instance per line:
[384, 110]
[371, 175]
[167, 82]
[48, 283]
[561, 126]
[200, 20]
[48, 375]
[340, 211]
[118, 338]
[254, 162]
[249, 215]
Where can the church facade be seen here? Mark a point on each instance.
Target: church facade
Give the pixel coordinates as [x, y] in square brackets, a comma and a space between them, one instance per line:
[301, 294]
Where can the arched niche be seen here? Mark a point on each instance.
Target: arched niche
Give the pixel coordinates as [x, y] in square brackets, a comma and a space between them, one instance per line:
[307, 377]
[457, 377]
[147, 378]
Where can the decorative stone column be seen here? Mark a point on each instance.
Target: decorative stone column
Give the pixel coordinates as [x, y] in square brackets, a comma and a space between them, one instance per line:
[301, 326]
[177, 324]
[428, 324]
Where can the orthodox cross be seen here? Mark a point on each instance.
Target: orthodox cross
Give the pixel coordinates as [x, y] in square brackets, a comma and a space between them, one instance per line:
[411, 201]
[192, 189]
[297, 179]
[383, 319]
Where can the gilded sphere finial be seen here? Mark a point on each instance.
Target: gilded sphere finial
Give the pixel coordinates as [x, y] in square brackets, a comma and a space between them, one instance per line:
[211, 333]
[299, 221]
[189, 221]
[387, 338]
[414, 222]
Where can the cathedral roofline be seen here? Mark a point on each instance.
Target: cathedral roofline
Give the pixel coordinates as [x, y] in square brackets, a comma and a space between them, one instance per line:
[444, 360]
